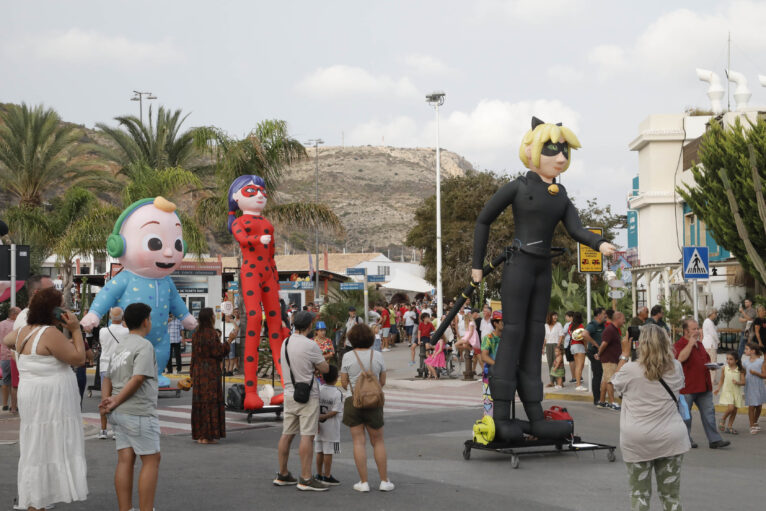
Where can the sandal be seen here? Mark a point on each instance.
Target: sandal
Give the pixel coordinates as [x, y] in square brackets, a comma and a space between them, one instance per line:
[753, 430]
[731, 431]
[721, 426]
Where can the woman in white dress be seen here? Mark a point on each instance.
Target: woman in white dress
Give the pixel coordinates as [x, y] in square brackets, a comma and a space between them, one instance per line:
[52, 464]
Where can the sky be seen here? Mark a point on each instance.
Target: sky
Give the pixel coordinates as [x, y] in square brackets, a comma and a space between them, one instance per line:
[356, 72]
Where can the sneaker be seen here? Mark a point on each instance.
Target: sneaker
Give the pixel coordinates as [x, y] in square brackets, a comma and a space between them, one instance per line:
[363, 487]
[411, 364]
[557, 387]
[285, 480]
[572, 381]
[386, 349]
[580, 388]
[311, 485]
[102, 435]
[602, 404]
[615, 406]
[330, 480]
[386, 486]
[719, 443]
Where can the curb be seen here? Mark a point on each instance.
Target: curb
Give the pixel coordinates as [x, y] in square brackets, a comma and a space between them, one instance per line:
[588, 398]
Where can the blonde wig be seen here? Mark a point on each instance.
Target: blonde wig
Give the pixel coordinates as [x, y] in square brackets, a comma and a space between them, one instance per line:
[655, 354]
[542, 133]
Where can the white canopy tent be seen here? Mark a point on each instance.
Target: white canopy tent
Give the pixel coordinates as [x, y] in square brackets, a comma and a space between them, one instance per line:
[403, 281]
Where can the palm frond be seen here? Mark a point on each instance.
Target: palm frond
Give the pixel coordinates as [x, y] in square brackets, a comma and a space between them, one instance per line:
[305, 215]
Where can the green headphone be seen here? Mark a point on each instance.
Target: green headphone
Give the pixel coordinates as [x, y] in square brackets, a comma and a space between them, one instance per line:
[115, 243]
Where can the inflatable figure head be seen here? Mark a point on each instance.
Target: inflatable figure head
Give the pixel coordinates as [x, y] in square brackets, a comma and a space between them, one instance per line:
[148, 239]
[247, 193]
[551, 141]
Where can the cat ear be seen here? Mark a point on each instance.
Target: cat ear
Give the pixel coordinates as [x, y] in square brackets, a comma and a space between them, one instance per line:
[536, 122]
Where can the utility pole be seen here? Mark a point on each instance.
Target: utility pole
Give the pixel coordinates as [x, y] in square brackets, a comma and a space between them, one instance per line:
[436, 99]
[316, 142]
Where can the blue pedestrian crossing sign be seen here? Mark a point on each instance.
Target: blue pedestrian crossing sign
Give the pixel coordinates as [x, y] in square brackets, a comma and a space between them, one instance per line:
[696, 263]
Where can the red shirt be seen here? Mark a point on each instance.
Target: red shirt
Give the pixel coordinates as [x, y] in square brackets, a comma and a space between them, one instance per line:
[613, 350]
[425, 329]
[385, 318]
[696, 375]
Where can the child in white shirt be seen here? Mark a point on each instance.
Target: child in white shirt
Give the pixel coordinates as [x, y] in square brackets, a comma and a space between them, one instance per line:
[327, 440]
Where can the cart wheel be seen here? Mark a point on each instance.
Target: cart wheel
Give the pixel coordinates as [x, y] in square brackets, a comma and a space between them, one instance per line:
[249, 418]
[610, 455]
[514, 461]
[278, 413]
[466, 453]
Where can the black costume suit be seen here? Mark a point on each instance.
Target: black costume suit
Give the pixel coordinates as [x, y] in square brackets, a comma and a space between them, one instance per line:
[526, 292]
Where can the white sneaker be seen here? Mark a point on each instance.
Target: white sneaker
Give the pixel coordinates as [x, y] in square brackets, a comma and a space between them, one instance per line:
[102, 435]
[386, 486]
[581, 388]
[557, 387]
[386, 349]
[363, 487]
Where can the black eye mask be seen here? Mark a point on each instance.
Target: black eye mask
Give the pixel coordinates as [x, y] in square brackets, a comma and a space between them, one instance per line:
[552, 149]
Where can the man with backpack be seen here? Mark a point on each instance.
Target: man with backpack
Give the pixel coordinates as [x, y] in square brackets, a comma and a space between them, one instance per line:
[301, 357]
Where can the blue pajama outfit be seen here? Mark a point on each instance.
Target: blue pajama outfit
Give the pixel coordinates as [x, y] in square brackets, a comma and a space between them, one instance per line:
[159, 294]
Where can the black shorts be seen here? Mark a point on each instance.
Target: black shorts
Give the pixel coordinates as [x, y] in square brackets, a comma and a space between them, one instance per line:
[357, 416]
[568, 354]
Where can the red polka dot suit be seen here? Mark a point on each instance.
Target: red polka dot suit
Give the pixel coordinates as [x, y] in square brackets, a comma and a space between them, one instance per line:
[260, 286]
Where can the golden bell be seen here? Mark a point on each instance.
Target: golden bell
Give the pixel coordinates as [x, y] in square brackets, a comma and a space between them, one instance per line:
[553, 189]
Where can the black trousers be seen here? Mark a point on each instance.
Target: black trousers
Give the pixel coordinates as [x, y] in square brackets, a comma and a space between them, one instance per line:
[525, 293]
[175, 352]
[597, 371]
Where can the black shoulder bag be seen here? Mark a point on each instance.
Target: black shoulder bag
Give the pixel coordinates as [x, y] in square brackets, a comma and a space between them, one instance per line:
[301, 390]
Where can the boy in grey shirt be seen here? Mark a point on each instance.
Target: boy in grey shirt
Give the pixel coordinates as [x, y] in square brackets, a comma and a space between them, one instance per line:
[132, 377]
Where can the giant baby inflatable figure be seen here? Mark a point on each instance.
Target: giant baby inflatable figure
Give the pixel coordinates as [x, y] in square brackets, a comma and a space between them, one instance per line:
[148, 241]
[538, 205]
[260, 281]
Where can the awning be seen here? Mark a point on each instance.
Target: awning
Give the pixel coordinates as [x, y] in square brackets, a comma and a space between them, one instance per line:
[407, 282]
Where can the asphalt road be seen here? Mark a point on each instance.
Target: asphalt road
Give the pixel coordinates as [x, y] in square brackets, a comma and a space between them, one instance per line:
[426, 464]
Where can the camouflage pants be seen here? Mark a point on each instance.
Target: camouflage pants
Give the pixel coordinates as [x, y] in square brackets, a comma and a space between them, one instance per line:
[668, 475]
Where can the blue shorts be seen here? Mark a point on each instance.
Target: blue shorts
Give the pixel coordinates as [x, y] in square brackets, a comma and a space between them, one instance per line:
[232, 351]
[137, 432]
[5, 366]
[408, 329]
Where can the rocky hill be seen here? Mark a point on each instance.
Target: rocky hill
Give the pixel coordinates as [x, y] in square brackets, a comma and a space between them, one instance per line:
[374, 190]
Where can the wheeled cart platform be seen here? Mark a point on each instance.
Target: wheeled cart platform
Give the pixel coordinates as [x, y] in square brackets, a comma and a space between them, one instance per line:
[275, 409]
[575, 444]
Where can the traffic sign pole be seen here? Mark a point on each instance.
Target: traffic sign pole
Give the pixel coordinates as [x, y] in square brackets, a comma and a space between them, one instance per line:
[366, 299]
[587, 295]
[695, 297]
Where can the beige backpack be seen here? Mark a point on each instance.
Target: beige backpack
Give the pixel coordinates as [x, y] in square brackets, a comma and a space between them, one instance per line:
[368, 393]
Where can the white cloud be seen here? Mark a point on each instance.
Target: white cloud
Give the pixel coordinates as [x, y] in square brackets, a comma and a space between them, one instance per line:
[426, 64]
[528, 11]
[680, 40]
[88, 46]
[343, 81]
[488, 135]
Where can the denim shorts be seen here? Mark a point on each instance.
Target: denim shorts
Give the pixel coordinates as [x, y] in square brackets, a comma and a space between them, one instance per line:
[232, 351]
[138, 432]
[5, 366]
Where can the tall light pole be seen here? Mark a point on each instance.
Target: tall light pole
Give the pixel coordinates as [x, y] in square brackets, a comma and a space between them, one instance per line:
[316, 142]
[436, 99]
[139, 96]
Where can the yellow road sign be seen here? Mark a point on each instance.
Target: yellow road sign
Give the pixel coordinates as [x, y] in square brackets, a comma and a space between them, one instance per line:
[589, 260]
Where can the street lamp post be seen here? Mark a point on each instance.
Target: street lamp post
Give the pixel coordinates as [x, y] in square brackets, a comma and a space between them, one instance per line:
[139, 96]
[316, 142]
[436, 99]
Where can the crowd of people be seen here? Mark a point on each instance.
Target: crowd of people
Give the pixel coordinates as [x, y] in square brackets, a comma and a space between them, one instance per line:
[635, 368]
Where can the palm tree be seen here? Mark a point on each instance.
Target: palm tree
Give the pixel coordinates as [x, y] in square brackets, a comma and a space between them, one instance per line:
[158, 144]
[39, 153]
[72, 224]
[267, 151]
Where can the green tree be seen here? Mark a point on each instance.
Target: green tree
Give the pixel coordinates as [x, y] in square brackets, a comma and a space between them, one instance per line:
[463, 198]
[39, 153]
[159, 144]
[728, 190]
[72, 224]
